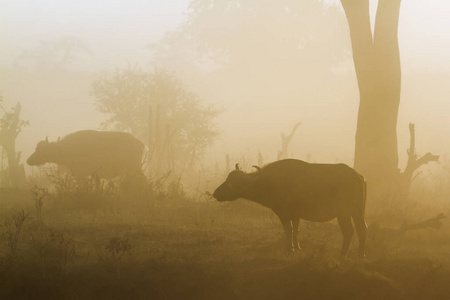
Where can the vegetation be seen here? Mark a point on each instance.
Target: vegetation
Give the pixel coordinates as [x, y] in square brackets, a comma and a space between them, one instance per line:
[163, 239]
[230, 35]
[173, 122]
[166, 245]
[54, 55]
[10, 127]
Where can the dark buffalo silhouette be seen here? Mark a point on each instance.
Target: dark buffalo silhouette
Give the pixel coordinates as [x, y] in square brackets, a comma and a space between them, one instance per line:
[105, 154]
[296, 190]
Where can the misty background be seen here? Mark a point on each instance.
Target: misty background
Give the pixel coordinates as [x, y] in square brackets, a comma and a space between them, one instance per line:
[266, 67]
[205, 84]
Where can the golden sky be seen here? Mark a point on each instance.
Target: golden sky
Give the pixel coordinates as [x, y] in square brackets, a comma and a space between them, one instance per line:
[117, 33]
[424, 29]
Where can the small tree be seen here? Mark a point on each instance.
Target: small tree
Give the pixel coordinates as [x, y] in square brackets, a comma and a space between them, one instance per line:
[10, 127]
[155, 107]
[55, 54]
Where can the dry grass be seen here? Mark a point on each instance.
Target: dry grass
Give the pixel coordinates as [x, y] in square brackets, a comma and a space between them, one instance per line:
[165, 246]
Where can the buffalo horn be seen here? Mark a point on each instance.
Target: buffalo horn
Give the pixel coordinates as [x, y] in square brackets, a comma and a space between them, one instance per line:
[257, 168]
[237, 166]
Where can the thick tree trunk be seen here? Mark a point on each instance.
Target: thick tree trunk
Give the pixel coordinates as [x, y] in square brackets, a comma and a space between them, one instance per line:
[377, 65]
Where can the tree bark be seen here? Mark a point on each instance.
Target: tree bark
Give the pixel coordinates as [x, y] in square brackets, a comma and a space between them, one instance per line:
[377, 66]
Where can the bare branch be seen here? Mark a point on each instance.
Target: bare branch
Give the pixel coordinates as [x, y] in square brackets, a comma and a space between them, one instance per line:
[435, 223]
[286, 140]
[426, 159]
[413, 162]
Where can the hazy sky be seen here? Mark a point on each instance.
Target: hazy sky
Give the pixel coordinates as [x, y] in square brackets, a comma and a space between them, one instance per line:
[117, 31]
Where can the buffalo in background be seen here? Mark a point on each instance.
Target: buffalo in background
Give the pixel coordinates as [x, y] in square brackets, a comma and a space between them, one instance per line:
[104, 154]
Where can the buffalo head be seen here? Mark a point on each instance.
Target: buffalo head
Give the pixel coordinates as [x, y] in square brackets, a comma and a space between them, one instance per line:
[236, 185]
[42, 153]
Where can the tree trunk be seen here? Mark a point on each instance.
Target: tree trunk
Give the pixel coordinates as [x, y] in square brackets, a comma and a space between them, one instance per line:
[377, 66]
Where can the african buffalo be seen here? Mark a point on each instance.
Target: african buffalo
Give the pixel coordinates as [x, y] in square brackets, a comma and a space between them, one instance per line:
[296, 190]
[105, 154]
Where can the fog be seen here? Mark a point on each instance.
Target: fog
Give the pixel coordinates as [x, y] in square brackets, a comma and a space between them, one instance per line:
[118, 34]
[201, 88]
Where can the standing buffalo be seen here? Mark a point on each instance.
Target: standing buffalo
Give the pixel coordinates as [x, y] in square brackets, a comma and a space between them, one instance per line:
[296, 190]
[105, 154]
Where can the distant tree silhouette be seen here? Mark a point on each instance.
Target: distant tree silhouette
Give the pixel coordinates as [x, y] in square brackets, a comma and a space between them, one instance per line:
[55, 54]
[10, 127]
[285, 141]
[258, 46]
[414, 161]
[155, 107]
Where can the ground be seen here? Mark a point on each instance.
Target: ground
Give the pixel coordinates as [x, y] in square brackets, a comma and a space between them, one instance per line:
[170, 247]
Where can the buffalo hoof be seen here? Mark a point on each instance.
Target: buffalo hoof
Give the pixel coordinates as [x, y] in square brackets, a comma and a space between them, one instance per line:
[289, 249]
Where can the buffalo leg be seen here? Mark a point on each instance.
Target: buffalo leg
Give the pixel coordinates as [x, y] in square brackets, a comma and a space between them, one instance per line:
[295, 223]
[361, 230]
[347, 233]
[287, 226]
